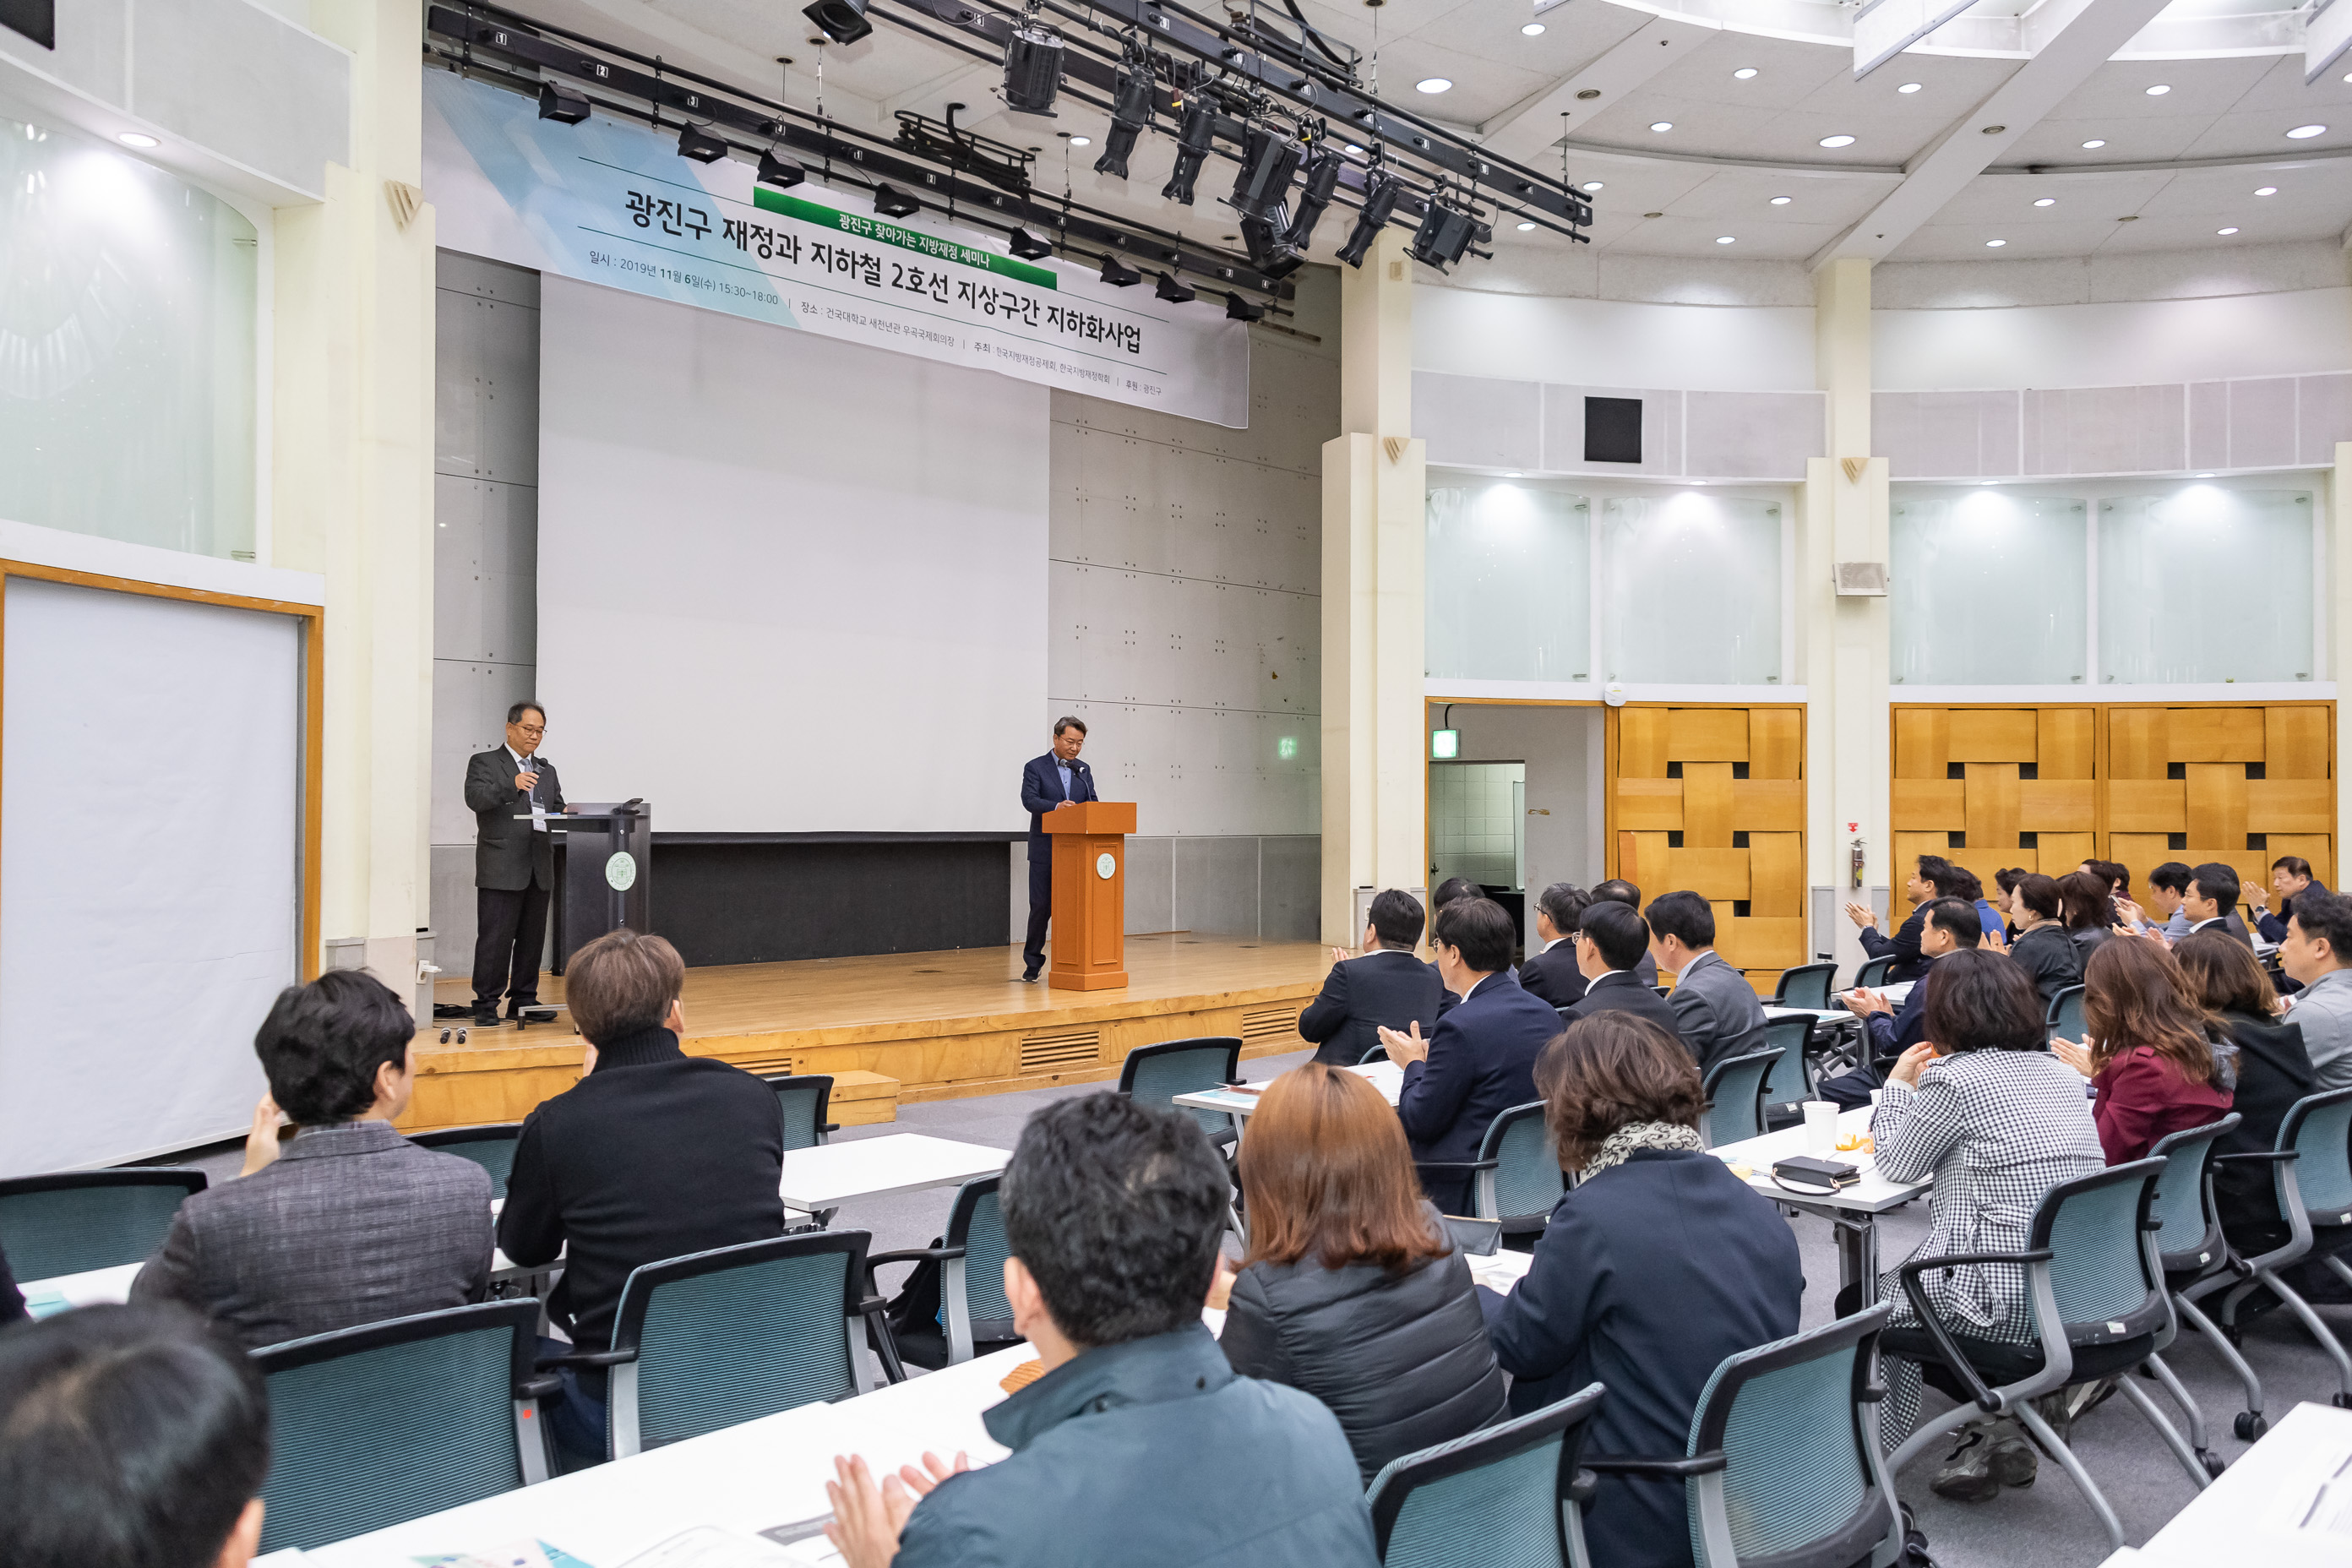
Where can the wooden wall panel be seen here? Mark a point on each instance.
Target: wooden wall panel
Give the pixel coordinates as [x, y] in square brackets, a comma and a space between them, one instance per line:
[1923, 742]
[2063, 744]
[2216, 810]
[1930, 805]
[1985, 863]
[2290, 806]
[1762, 947]
[1707, 805]
[1992, 804]
[2214, 735]
[1776, 744]
[1993, 735]
[1776, 874]
[1707, 735]
[2298, 743]
[1642, 860]
[2144, 805]
[1709, 873]
[1649, 804]
[2137, 748]
[1640, 742]
[2055, 805]
[1775, 806]
[1909, 846]
[2320, 849]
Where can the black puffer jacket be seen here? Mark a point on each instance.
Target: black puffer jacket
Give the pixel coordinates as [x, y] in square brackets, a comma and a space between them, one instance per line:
[1402, 1360]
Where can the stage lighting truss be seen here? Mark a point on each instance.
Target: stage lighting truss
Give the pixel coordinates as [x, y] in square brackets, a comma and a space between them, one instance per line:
[1445, 232]
[1001, 164]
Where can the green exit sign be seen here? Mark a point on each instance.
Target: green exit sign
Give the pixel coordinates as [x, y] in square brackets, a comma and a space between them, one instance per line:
[1445, 745]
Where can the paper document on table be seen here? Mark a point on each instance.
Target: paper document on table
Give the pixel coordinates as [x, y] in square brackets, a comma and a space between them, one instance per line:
[2316, 1499]
[707, 1546]
[513, 1555]
[1386, 1077]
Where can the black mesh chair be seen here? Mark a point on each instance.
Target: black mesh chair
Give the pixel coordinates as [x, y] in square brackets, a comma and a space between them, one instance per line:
[973, 1318]
[2189, 1244]
[1157, 1074]
[1872, 974]
[1505, 1497]
[1515, 1181]
[492, 1148]
[1805, 985]
[1786, 1083]
[1735, 1098]
[2065, 1019]
[2311, 1174]
[75, 1221]
[803, 1098]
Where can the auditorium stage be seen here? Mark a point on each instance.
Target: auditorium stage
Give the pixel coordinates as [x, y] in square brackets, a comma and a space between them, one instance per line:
[943, 1025]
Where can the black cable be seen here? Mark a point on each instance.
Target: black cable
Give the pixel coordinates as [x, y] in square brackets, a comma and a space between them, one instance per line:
[1316, 39]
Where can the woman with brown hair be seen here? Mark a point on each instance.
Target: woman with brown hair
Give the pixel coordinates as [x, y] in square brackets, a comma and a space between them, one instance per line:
[2274, 1072]
[2148, 1050]
[1352, 1291]
[1655, 1267]
[2087, 902]
[2041, 944]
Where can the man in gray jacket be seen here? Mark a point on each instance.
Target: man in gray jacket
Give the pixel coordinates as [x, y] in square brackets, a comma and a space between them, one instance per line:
[349, 1223]
[1715, 1010]
[2318, 953]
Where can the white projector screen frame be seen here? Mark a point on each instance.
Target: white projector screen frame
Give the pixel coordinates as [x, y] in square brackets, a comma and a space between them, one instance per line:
[786, 583]
[159, 838]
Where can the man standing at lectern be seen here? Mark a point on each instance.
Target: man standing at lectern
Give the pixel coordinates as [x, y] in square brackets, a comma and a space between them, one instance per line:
[1048, 783]
[510, 790]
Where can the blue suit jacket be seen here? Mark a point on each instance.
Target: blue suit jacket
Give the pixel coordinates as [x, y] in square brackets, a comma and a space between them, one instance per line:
[1482, 1062]
[1892, 1035]
[1040, 792]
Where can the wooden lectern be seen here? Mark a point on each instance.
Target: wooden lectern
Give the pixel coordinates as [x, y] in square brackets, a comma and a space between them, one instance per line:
[1090, 895]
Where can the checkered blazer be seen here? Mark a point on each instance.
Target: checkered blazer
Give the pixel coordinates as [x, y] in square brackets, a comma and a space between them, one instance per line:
[1997, 1130]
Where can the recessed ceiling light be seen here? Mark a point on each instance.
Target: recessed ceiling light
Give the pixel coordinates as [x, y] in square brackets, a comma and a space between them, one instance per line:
[1532, 29]
[1434, 84]
[2267, 191]
[1593, 185]
[2225, 231]
[1511, 473]
[1780, 201]
[137, 139]
[1908, 87]
[2204, 476]
[2158, 90]
[1838, 140]
[1743, 73]
[2047, 202]
[1081, 140]
[2305, 133]
[1525, 226]
[1726, 239]
[1995, 244]
[1662, 125]
[2093, 144]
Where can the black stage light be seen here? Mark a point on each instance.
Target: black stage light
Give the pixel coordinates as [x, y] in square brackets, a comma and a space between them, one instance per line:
[892, 202]
[1193, 134]
[1033, 70]
[1320, 179]
[1175, 293]
[1240, 310]
[1269, 252]
[1130, 113]
[1444, 234]
[843, 21]
[777, 170]
[695, 143]
[561, 104]
[1269, 160]
[1118, 275]
[1028, 246]
[1380, 201]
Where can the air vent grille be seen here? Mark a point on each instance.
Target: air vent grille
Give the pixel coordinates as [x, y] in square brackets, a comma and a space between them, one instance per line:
[1278, 1022]
[1068, 1048]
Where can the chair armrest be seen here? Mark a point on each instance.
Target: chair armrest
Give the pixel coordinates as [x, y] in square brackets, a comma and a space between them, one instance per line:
[1580, 1489]
[539, 1387]
[587, 1358]
[1986, 1399]
[1955, 1260]
[875, 1312]
[1456, 1164]
[2265, 1157]
[1704, 1464]
[912, 1254]
[830, 1127]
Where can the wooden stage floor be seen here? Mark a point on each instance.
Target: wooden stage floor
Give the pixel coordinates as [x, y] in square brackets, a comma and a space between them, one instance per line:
[944, 1025]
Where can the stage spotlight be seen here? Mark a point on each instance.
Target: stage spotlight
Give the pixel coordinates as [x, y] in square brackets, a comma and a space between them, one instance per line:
[1269, 252]
[695, 143]
[1118, 275]
[1033, 70]
[1380, 201]
[1168, 288]
[1193, 134]
[1240, 310]
[777, 170]
[1028, 246]
[1444, 234]
[561, 104]
[1130, 114]
[1269, 161]
[843, 21]
[1315, 188]
[892, 202]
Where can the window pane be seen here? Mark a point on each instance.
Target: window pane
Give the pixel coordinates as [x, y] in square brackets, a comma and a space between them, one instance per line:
[127, 304]
[2205, 583]
[1509, 584]
[1693, 590]
[1988, 588]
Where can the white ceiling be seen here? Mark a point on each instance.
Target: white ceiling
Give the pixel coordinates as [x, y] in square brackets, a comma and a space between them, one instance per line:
[2176, 167]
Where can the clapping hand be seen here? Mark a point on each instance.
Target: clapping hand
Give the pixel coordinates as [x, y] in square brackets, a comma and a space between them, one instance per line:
[1908, 1066]
[2075, 1054]
[1993, 941]
[1863, 1004]
[1861, 915]
[261, 1143]
[1404, 1049]
[1339, 955]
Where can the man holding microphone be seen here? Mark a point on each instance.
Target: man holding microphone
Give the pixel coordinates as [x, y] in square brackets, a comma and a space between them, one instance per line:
[1048, 783]
[510, 790]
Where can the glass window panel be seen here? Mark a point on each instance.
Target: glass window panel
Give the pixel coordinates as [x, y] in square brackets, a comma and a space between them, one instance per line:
[1509, 584]
[1692, 590]
[127, 301]
[2206, 583]
[1950, 557]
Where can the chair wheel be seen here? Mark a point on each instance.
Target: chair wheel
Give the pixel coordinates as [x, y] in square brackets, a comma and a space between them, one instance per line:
[2250, 1425]
[2212, 1463]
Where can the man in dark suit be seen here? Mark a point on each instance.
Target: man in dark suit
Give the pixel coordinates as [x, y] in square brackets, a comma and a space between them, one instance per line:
[1388, 985]
[349, 1223]
[1550, 973]
[2291, 877]
[1715, 1010]
[1933, 877]
[1048, 783]
[1949, 925]
[510, 790]
[1481, 1059]
[2212, 899]
[1616, 890]
[1611, 940]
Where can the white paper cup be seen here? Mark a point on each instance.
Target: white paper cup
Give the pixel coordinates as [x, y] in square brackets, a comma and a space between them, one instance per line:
[1820, 1127]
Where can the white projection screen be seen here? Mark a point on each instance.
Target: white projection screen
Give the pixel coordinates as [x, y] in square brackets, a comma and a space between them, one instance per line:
[786, 584]
[151, 867]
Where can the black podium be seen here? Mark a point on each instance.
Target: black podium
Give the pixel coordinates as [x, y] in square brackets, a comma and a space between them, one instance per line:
[603, 872]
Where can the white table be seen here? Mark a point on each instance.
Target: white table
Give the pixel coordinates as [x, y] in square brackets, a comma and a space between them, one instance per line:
[820, 1179]
[1851, 1211]
[2261, 1509]
[1241, 1103]
[93, 1288]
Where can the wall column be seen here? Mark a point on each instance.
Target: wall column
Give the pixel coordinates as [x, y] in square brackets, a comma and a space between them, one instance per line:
[351, 476]
[1374, 507]
[2339, 626]
[1843, 641]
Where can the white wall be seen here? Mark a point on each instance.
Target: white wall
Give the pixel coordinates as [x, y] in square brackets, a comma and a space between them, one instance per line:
[2128, 343]
[1561, 747]
[1600, 343]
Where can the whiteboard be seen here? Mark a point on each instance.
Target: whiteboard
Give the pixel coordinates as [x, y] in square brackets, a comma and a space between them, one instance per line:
[151, 813]
[786, 584]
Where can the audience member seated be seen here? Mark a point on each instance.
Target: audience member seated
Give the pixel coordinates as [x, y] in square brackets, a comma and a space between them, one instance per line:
[1952, 925]
[1480, 1061]
[2274, 1072]
[2212, 900]
[1715, 1010]
[1610, 939]
[652, 1154]
[1997, 1121]
[1451, 891]
[1656, 1264]
[1550, 973]
[1933, 877]
[1616, 890]
[348, 1222]
[2146, 1050]
[130, 1438]
[1387, 985]
[1141, 1445]
[2117, 877]
[1352, 1291]
[2087, 908]
[2166, 886]
[2316, 955]
[2041, 945]
[1968, 889]
[2290, 877]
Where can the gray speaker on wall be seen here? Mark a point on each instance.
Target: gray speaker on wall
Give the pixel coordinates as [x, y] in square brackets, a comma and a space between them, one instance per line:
[1612, 429]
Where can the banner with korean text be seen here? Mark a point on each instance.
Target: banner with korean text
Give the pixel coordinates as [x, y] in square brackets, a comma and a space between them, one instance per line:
[613, 203]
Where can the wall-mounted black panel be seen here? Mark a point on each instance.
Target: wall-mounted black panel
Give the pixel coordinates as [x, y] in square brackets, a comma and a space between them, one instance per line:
[1612, 429]
[36, 20]
[763, 903]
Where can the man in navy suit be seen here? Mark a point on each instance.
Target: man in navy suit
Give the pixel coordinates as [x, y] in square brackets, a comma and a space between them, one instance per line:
[1386, 986]
[1048, 783]
[1611, 940]
[1480, 1060]
[1892, 1030]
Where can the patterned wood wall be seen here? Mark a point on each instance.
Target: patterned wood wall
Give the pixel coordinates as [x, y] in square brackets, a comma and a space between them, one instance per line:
[2045, 788]
[1713, 799]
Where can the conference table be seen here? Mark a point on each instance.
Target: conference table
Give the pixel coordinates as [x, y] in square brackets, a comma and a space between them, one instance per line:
[1240, 1101]
[2286, 1502]
[1852, 1212]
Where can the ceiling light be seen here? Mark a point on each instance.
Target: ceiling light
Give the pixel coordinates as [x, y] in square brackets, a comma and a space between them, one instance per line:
[1028, 246]
[695, 143]
[1033, 68]
[2267, 191]
[1379, 200]
[1727, 239]
[1908, 87]
[1995, 244]
[1082, 141]
[1359, 152]
[2047, 202]
[1168, 288]
[1512, 474]
[777, 170]
[892, 202]
[1193, 134]
[1531, 29]
[1120, 275]
[1743, 73]
[2204, 476]
[1240, 310]
[141, 137]
[843, 21]
[1525, 226]
[1593, 185]
[2305, 133]
[1838, 140]
[2093, 145]
[2158, 90]
[1781, 201]
[2225, 231]
[1662, 125]
[1432, 84]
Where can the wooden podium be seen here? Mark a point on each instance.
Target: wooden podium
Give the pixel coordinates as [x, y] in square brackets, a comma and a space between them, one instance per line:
[1089, 943]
